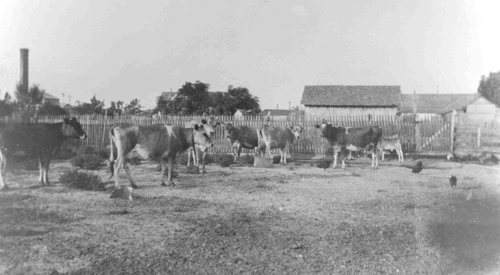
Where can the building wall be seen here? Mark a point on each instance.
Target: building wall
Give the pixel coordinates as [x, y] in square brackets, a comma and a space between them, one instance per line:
[481, 111]
[319, 112]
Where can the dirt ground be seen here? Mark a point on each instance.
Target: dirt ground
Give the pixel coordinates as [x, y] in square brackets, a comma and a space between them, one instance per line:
[288, 219]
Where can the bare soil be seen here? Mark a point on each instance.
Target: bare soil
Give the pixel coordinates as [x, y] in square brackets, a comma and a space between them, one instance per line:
[288, 219]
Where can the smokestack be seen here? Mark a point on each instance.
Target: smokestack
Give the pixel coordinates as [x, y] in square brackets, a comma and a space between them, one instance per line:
[24, 69]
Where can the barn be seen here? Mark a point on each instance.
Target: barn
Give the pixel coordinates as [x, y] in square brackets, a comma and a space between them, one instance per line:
[340, 100]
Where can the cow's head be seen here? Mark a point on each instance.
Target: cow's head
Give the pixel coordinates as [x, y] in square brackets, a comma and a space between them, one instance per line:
[201, 137]
[296, 130]
[228, 129]
[323, 127]
[73, 128]
[210, 125]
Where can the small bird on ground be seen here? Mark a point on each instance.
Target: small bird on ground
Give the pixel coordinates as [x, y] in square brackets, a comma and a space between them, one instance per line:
[124, 192]
[323, 164]
[418, 167]
[453, 181]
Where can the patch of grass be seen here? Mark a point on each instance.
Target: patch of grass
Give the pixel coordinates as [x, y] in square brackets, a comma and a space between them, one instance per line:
[82, 180]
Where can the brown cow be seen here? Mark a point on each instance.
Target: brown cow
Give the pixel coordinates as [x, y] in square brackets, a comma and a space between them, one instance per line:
[389, 144]
[353, 139]
[209, 126]
[42, 141]
[241, 137]
[271, 137]
[161, 142]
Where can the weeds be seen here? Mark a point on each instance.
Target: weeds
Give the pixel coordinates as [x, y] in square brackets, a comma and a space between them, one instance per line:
[82, 180]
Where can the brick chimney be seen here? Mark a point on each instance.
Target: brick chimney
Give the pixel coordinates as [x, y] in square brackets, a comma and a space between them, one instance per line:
[24, 69]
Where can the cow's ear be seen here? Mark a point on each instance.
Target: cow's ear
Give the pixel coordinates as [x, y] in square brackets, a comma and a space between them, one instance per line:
[204, 121]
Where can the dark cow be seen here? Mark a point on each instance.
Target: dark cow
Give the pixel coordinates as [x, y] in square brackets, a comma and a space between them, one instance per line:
[353, 139]
[241, 137]
[159, 142]
[271, 137]
[209, 126]
[42, 141]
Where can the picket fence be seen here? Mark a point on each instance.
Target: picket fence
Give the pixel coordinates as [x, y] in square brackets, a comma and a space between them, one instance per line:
[427, 137]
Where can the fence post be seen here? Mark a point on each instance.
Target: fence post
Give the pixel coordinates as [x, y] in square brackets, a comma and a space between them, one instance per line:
[478, 137]
[418, 136]
[452, 133]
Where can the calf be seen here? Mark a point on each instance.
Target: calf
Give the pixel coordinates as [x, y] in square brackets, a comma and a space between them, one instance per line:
[241, 137]
[41, 141]
[270, 137]
[209, 126]
[158, 142]
[389, 144]
[353, 139]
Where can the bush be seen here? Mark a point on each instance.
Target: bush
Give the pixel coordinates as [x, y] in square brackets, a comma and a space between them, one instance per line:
[223, 160]
[89, 161]
[103, 153]
[82, 180]
[246, 160]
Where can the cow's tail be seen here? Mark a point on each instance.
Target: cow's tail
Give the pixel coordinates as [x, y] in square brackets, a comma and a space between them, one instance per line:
[112, 158]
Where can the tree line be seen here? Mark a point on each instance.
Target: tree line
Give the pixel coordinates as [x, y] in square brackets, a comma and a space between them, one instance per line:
[190, 99]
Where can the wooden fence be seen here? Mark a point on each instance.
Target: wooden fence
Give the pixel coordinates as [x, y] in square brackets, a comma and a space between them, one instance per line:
[428, 137]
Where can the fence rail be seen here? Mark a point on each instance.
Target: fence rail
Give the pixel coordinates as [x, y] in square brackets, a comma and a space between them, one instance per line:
[434, 134]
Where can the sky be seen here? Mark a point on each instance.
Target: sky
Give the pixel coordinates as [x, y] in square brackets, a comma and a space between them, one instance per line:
[121, 50]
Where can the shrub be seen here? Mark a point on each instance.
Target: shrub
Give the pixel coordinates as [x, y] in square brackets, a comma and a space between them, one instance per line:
[223, 160]
[103, 153]
[246, 160]
[89, 161]
[82, 180]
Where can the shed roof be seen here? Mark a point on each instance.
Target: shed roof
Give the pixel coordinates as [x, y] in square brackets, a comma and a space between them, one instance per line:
[435, 103]
[275, 112]
[340, 95]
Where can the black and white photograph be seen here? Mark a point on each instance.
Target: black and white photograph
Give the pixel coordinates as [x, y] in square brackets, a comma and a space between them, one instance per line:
[249, 137]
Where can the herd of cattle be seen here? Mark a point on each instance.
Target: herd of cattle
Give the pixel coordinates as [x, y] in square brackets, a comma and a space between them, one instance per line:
[163, 142]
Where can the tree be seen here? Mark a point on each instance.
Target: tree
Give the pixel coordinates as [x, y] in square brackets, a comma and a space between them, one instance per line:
[6, 106]
[489, 87]
[133, 107]
[241, 98]
[191, 99]
[95, 106]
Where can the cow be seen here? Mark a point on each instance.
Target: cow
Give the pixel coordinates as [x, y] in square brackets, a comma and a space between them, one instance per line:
[271, 137]
[157, 142]
[241, 137]
[42, 141]
[353, 139]
[209, 126]
[389, 144]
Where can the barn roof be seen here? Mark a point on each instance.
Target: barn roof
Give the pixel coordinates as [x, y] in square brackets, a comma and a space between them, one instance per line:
[435, 103]
[340, 95]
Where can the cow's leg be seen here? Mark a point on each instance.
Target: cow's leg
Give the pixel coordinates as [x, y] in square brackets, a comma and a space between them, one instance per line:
[3, 170]
[163, 165]
[268, 149]
[335, 156]
[344, 156]
[40, 167]
[190, 152]
[203, 155]
[238, 153]
[129, 175]
[170, 170]
[401, 153]
[46, 171]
